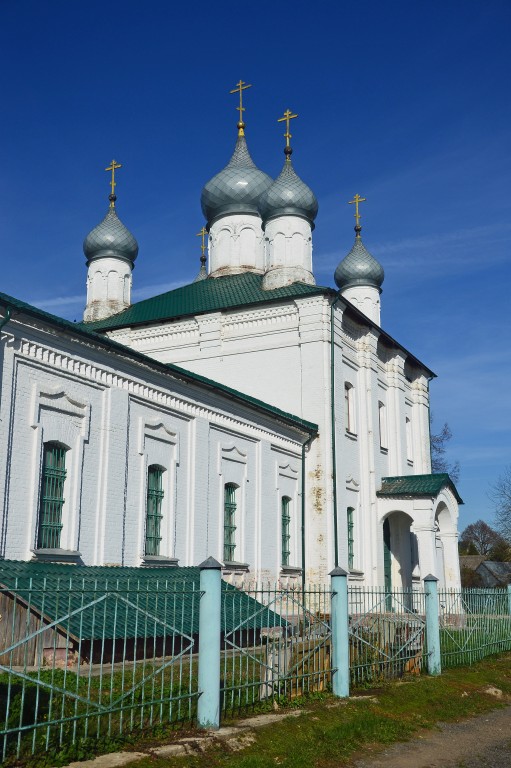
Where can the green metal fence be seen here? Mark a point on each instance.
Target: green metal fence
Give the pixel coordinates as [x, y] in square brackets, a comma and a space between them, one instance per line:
[92, 653]
[386, 633]
[279, 649]
[474, 623]
[83, 658]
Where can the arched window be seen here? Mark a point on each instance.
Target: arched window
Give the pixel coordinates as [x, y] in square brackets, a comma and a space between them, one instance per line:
[349, 408]
[382, 423]
[52, 496]
[286, 527]
[229, 522]
[350, 512]
[154, 516]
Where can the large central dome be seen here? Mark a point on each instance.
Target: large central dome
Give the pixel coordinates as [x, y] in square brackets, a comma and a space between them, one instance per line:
[237, 188]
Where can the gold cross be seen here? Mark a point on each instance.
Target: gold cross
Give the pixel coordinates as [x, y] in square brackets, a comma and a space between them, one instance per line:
[113, 167]
[357, 199]
[202, 234]
[241, 86]
[288, 115]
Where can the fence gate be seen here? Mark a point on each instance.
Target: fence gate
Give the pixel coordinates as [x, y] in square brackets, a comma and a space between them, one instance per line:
[474, 623]
[280, 647]
[82, 659]
[386, 633]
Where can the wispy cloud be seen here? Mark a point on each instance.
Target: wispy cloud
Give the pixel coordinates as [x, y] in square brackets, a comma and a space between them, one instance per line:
[75, 300]
[58, 301]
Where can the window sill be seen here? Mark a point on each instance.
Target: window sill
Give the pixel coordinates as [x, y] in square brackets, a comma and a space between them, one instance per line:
[409, 462]
[158, 561]
[383, 450]
[290, 570]
[351, 435]
[231, 566]
[65, 556]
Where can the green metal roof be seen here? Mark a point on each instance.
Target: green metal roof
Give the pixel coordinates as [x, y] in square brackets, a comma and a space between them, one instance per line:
[417, 485]
[223, 293]
[208, 295]
[92, 602]
[83, 331]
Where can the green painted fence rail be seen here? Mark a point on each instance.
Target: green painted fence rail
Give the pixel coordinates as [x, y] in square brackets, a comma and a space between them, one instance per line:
[92, 653]
[474, 623]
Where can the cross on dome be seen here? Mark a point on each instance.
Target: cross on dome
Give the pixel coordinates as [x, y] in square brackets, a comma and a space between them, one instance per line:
[240, 87]
[356, 200]
[288, 116]
[113, 167]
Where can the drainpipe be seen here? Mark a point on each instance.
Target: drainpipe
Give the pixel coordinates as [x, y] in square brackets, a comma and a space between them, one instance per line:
[304, 446]
[332, 423]
[5, 319]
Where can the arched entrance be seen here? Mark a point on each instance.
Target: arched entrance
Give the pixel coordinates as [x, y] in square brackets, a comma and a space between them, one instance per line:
[399, 551]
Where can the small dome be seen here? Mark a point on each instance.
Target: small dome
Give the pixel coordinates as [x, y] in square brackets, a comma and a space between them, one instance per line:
[237, 188]
[288, 195]
[110, 239]
[359, 268]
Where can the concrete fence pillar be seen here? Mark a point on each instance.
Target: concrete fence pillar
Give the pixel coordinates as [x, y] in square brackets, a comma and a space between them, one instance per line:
[432, 625]
[340, 658]
[210, 610]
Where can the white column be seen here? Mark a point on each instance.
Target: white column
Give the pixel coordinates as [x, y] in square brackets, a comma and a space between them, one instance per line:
[367, 402]
[420, 426]
[427, 550]
[396, 415]
[451, 560]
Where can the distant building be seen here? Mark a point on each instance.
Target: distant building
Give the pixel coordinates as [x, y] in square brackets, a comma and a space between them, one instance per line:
[312, 450]
[478, 572]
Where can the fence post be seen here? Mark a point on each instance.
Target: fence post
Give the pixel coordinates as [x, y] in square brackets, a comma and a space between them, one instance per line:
[509, 599]
[340, 641]
[432, 625]
[210, 609]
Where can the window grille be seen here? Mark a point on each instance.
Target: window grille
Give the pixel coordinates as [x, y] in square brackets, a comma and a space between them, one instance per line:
[154, 516]
[229, 522]
[286, 536]
[52, 496]
[351, 537]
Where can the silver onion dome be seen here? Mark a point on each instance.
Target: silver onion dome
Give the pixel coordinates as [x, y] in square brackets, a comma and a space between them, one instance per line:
[110, 239]
[237, 188]
[359, 267]
[288, 195]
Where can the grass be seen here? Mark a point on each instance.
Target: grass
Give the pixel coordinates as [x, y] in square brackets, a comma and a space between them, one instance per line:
[331, 732]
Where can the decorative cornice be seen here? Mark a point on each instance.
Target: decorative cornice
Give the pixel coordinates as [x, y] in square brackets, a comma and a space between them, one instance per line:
[94, 374]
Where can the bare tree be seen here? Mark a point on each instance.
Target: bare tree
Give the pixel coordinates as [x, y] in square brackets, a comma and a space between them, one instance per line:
[500, 494]
[439, 461]
[481, 539]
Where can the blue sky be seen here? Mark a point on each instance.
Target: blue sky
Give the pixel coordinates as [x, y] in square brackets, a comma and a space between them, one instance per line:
[405, 103]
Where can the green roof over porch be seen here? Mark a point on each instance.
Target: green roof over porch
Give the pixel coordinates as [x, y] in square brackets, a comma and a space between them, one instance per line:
[410, 486]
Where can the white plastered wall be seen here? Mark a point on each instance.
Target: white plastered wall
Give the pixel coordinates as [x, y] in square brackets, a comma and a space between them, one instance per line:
[288, 252]
[116, 418]
[108, 288]
[236, 245]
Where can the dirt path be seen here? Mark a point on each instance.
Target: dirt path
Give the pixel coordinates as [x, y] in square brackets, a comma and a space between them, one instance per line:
[482, 742]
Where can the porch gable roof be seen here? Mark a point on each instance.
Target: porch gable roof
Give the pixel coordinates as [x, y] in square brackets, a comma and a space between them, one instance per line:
[412, 486]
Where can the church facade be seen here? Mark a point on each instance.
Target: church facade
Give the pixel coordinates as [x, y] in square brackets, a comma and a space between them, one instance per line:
[251, 415]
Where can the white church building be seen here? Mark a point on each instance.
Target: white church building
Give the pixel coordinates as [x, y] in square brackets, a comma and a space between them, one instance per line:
[251, 415]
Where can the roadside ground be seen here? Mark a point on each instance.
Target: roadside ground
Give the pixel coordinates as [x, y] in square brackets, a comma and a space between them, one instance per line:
[324, 732]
